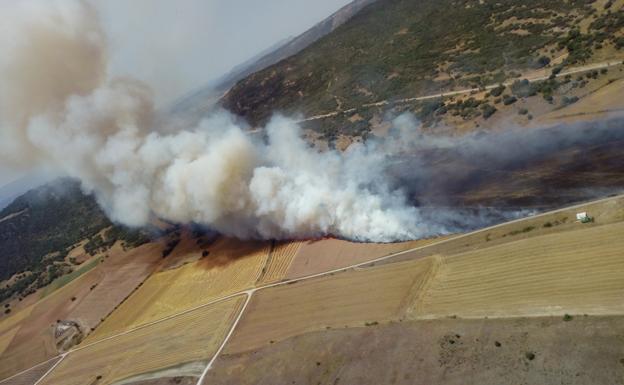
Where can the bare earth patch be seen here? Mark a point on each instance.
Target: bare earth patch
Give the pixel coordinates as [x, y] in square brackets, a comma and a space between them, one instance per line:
[583, 350]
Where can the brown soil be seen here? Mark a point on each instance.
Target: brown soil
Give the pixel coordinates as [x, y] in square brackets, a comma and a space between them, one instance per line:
[329, 254]
[542, 351]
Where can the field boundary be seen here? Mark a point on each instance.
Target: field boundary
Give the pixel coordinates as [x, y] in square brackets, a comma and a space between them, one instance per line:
[51, 369]
[60, 356]
[250, 292]
[227, 337]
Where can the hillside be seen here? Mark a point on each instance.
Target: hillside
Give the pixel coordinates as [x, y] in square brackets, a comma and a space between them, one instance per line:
[39, 229]
[43, 221]
[200, 101]
[395, 49]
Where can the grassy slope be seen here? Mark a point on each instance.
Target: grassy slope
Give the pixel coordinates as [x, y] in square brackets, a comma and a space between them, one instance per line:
[398, 48]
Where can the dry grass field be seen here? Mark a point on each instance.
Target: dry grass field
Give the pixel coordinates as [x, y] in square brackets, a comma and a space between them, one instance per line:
[352, 298]
[34, 341]
[280, 258]
[119, 276]
[584, 350]
[604, 212]
[15, 319]
[230, 267]
[605, 101]
[329, 254]
[30, 376]
[6, 337]
[85, 300]
[576, 272]
[192, 337]
[10, 326]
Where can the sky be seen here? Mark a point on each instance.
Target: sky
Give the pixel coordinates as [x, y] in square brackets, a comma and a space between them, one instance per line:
[178, 46]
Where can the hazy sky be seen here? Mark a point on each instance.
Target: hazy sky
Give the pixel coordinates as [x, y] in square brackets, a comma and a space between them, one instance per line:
[179, 45]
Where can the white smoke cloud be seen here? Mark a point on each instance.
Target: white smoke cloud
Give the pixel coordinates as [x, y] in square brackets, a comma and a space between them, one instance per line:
[58, 107]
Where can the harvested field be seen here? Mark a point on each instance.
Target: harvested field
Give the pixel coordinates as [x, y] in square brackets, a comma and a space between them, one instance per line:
[6, 338]
[119, 277]
[604, 212]
[34, 342]
[599, 104]
[191, 337]
[15, 319]
[351, 298]
[165, 381]
[329, 254]
[31, 376]
[279, 261]
[85, 300]
[545, 351]
[231, 266]
[187, 373]
[576, 272]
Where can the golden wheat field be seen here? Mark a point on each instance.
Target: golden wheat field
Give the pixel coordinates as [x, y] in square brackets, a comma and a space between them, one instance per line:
[576, 272]
[350, 298]
[191, 337]
[172, 291]
[279, 261]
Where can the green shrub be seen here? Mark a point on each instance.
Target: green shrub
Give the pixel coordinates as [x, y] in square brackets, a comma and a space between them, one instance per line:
[509, 99]
[498, 91]
[488, 110]
[543, 61]
[569, 100]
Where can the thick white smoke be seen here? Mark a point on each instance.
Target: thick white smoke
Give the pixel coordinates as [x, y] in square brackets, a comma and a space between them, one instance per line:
[59, 107]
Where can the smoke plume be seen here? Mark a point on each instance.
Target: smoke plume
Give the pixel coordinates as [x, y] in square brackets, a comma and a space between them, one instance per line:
[59, 107]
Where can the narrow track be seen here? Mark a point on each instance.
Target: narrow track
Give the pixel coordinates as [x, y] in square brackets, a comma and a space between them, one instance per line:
[572, 71]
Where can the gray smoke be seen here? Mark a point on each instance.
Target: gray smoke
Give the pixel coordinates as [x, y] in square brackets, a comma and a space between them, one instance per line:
[59, 108]
[523, 167]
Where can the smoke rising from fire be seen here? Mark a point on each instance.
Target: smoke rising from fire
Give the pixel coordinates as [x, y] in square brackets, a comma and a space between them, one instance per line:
[58, 107]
